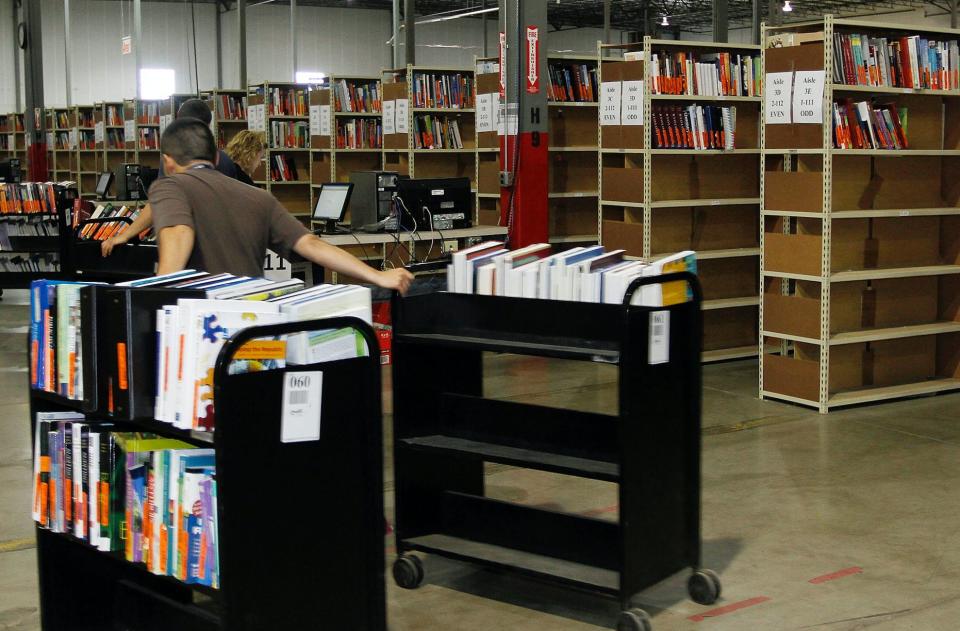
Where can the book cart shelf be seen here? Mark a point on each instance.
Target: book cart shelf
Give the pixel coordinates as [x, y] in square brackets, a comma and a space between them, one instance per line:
[109, 133]
[488, 145]
[320, 568]
[141, 135]
[655, 200]
[88, 160]
[573, 182]
[446, 427]
[272, 108]
[229, 110]
[332, 159]
[860, 247]
[400, 152]
[53, 248]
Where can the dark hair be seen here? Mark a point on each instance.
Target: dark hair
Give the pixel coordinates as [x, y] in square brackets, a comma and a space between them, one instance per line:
[195, 108]
[186, 140]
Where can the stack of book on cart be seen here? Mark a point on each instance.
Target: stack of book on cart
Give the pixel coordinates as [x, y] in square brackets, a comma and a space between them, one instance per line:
[582, 274]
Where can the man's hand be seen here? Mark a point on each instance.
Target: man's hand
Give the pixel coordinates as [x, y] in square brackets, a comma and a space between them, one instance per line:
[398, 279]
[106, 247]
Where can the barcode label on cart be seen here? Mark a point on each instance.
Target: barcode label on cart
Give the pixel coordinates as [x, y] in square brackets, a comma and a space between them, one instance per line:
[302, 393]
[659, 352]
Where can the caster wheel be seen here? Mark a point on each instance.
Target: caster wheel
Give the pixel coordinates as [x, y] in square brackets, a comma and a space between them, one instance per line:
[408, 572]
[634, 620]
[704, 587]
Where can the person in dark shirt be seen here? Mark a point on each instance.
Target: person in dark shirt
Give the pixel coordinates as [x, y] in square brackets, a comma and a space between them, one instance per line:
[207, 221]
[191, 108]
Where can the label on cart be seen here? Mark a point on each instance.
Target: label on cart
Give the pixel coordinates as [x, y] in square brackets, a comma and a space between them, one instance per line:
[302, 394]
[659, 352]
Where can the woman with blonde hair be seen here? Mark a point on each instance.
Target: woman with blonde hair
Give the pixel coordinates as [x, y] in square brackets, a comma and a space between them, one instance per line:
[246, 150]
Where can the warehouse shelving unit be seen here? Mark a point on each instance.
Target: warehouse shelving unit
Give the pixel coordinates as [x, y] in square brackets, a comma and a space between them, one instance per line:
[860, 248]
[141, 120]
[64, 129]
[87, 160]
[229, 111]
[109, 133]
[293, 194]
[655, 201]
[399, 149]
[321, 141]
[488, 151]
[13, 140]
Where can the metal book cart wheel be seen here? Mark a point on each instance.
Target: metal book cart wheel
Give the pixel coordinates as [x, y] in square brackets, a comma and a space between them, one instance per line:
[445, 429]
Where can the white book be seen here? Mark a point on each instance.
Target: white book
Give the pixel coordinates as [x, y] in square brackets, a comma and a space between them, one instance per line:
[515, 258]
[485, 279]
[161, 362]
[338, 301]
[93, 483]
[529, 274]
[160, 480]
[460, 258]
[78, 525]
[560, 274]
[546, 266]
[170, 368]
[585, 275]
[655, 295]
[514, 279]
[616, 281]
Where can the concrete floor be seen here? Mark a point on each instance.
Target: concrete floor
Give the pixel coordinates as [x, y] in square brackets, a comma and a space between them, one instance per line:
[866, 501]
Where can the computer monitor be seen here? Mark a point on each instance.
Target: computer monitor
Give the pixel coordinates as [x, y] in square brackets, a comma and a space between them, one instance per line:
[103, 184]
[435, 204]
[332, 204]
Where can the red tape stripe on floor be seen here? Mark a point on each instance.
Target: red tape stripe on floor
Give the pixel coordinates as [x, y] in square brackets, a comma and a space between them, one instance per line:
[719, 611]
[835, 575]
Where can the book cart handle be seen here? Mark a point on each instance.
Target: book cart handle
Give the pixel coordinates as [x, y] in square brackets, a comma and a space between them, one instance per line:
[688, 277]
[243, 336]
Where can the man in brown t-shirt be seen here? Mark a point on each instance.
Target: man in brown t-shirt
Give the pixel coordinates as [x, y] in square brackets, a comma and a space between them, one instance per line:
[207, 221]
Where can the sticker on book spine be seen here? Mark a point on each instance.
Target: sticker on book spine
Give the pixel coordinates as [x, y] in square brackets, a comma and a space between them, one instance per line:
[659, 349]
[302, 396]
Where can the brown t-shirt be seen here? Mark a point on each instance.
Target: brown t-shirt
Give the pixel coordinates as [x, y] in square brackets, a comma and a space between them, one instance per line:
[234, 223]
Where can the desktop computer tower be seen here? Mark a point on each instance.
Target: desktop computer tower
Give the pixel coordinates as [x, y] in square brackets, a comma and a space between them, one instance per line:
[372, 198]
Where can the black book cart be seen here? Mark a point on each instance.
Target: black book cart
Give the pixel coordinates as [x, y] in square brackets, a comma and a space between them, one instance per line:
[300, 524]
[444, 431]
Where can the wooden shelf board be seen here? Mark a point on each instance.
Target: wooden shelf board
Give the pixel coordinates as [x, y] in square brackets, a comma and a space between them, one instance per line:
[696, 44]
[703, 152]
[609, 202]
[723, 354]
[294, 117]
[896, 153]
[791, 276]
[729, 201]
[867, 395]
[573, 103]
[357, 150]
[287, 149]
[895, 272]
[573, 148]
[730, 253]
[872, 89]
[786, 397]
[886, 26]
[620, 150]
[731, 303]
[488, 195]
[444, 110]
[465, 150]
[488, 149]
[572, 195]
[572, 238]
[704, 97]
[896, 332]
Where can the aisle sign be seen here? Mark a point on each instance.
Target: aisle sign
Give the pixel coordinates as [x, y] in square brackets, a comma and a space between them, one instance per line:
[129, 131]
[610, 92]
[778, 87]
[632, 111]
[808, 96]
[533, 60]
[49, 140]
[98, 132]
[403, 112]
[73, 139]
[485, 114]
[324, 120]
[315, 120]
[389, 117]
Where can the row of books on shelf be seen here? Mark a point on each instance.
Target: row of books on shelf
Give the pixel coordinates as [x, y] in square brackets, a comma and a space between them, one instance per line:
[359, 133]
[715, 74]
[350, 96]
[905, 62]
[86, 118]
[30, 263]
[32, 197]
[114, 138]
[866, 125]
[62, 140]
[581, 274]
[572, 82]
[151, 499]
[113, 115]
[149, 138]
[13, 123]
[703, 127]
[230, 106]
[447, 90]
[148, 112]
[86, 140]
[283, 168]
[106, 230]
[62, 120]
[290, 134]
[436, 132]
[36, 226]
[184, 319]
[288, 101]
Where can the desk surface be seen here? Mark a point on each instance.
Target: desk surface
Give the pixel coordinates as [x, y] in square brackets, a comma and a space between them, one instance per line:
[376, 238]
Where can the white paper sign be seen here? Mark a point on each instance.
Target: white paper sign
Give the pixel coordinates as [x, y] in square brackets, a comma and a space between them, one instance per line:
[778, 87]
[808, 96]
[324, 120]
[659, 348]
[632, 111]
[484, 112]
[302, 395]
[315, 120]
[403, 114]
[255, 118]
[98, 132]
[73, 139]
[389, 117]
[610, 103]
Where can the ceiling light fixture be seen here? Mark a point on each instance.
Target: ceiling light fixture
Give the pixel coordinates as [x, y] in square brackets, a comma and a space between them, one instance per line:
[664, 21]
[786, 6]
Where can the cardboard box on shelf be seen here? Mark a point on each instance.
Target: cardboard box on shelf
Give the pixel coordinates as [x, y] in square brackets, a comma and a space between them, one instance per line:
[728, 278]
[621, 235]
[623, 184]
[901, 361]
[799, 376]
